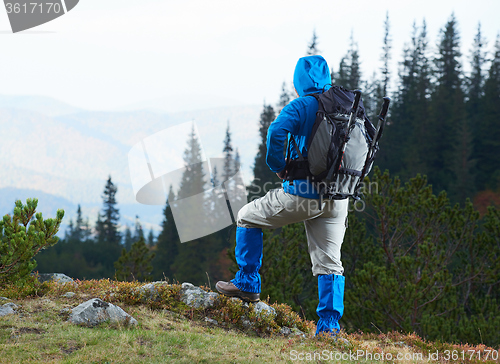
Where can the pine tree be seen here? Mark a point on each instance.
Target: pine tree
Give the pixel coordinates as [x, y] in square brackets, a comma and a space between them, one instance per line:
[79, 225]
[228, 171]
[488, 130]
[386, 57]
[237, 161]
[135, 265]
[107, 229]
[349, 75]
[407, 133]
[138, 232]
[108, 237]
[475, 81]
[22, 236]
[214, 180]
[474, 94]
[354, 66]
[264, 179]
[151, 239]
[128, 240]
[167, 243]
[191, 261]
[284, 98]
[312, 47]
[447, 117]
[193, 177]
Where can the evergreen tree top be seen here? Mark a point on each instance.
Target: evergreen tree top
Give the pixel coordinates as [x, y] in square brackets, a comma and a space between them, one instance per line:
[448, 58]
[312, 47]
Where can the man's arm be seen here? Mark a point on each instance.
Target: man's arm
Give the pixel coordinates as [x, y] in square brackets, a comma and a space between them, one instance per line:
[277, 135]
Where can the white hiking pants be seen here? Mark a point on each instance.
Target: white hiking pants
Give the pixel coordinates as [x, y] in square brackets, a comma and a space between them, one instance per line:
[325, 224]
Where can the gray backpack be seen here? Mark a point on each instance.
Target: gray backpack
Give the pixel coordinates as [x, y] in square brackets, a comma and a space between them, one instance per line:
[341, 147]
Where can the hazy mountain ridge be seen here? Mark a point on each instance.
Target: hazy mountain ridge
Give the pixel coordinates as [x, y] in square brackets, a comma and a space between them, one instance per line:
[42, 104]
[70, 156]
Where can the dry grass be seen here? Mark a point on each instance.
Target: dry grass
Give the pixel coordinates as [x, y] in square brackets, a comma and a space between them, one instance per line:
[168, 331]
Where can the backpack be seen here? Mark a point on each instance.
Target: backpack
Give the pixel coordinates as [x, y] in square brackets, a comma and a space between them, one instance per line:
[339, 156]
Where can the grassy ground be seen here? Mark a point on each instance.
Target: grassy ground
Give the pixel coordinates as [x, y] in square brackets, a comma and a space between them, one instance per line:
[172, 332]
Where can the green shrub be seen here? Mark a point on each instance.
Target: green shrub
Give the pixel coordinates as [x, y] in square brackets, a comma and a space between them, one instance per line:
[22, 236]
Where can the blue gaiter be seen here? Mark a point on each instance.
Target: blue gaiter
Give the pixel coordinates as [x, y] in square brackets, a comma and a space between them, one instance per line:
[331, 302]
[248, 253]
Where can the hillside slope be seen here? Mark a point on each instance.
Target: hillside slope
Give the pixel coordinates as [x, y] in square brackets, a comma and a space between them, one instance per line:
[170, 331]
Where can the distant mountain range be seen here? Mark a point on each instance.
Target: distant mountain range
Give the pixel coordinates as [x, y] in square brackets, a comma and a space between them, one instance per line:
[63, 155]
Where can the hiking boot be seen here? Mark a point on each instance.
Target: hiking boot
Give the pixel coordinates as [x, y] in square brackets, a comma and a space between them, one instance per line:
[229, 289]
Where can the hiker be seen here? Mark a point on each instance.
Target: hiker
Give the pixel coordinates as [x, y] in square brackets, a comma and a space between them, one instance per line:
[325, 220]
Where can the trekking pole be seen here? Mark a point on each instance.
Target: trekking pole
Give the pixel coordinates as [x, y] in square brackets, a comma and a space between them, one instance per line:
[376, 137]
[381, 121]
[350, 125]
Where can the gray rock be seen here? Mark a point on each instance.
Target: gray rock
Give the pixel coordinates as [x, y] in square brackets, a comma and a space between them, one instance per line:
[149, 291]
[4, 299]
[96, 311]
[196, 297]
[297, 332]
[211, 321]
[246, 324]
[260, 308]
[343, 341]
[69, 294]
[286, 331]
[8, 309]
[238, 300]
[56, 277]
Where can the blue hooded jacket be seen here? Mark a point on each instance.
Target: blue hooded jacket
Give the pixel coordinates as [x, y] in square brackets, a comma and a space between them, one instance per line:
[311, 75]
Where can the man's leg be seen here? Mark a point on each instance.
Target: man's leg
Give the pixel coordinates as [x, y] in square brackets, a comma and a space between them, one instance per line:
[325, 235]
[248, 252]
[273, 210]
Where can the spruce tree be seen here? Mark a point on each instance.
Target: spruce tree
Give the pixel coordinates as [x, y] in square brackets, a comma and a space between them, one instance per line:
[448, 116]
[264, 179]
[475, 80]
[312, 47]
[228, 170]
[167, 243]
[386, 57]
[237, 160]
[193, 177]
[128, 239]
[138, 232]
[284, 98]
[191, 260]
[488, 130]
[135, 265]
[107, 227]
[108, 237]
[76, 231]
[407, 133]
[151, 239]
[354, 66]
[349, 75]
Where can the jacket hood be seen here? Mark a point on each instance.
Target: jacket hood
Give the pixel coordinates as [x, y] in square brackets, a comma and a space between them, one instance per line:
[311, 75]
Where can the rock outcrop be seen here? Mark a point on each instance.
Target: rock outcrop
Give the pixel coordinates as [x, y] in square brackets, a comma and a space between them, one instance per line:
[8, 309]
[96, 311]
[196, 297]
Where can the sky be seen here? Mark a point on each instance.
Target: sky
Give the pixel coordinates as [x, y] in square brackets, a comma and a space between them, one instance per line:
[122, 54]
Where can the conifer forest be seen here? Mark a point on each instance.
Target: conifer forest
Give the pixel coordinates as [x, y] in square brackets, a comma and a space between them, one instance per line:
[422, 251]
